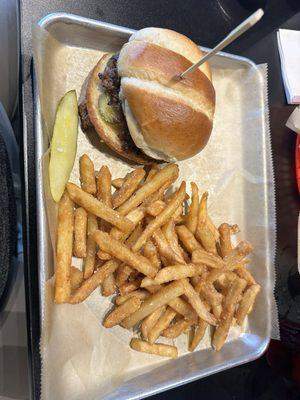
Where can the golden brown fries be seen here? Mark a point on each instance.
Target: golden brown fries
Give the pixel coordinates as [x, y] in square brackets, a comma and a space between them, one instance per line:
[171, 269]
[161, 219]
[191, 221]
[246, 303]
[121, 312]
[140, 294]
[64, 245]
[187, 239]
[76, 278]
[98, 208]
[203, 232]
[90, 284]
[156, 300]
[80, 232]
[198, 333]
[227, 314]
[129, 186]
[163, 322]
[158, 349]
[117, 183]
[87, 174]
[150, 321]
[170, 172]
[89, 261]
[122, 253]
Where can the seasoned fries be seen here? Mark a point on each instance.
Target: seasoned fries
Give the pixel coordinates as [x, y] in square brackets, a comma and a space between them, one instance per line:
[121, 312]
[98, 208]
[64, 249]
[128, 187]
[80, 232]
[172, 270]
[87, 174]
[158, 349]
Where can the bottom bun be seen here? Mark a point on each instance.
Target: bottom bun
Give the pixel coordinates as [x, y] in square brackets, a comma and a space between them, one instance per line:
[113, 135]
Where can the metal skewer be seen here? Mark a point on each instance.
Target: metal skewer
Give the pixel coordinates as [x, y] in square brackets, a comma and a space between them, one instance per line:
[238, 31]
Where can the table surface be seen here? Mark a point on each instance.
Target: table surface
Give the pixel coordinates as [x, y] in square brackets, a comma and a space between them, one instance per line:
[193, 18]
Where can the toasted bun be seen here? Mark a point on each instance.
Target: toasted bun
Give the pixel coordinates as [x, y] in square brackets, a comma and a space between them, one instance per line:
[111, 134]
[169, 118]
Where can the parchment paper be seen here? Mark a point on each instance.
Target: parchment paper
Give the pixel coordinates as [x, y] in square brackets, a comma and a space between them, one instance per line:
[82, 359]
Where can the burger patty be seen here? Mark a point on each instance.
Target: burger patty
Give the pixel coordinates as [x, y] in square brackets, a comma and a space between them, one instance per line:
[111, 82]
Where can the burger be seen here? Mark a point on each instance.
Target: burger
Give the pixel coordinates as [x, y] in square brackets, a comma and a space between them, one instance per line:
[139, 105]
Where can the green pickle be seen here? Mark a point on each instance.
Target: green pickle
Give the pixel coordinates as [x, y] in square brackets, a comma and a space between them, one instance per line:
[109, 113]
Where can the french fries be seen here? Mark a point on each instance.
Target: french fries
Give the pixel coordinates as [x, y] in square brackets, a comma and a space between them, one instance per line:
[80, 232]
[122, 253]
[161, 218]
[121, 312]
[192, 216]
[167, 174]
[158, 349]
[64, 246]
[128, 187]
[87, 174]
[173, 271]
[96, 207]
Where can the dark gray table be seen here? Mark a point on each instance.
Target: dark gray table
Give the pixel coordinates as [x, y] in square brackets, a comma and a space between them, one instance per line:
[206, 23]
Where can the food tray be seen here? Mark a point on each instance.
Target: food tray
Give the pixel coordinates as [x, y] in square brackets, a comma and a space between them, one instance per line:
[74, 31]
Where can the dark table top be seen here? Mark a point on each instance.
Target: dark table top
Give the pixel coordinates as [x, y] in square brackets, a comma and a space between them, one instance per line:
[206, 23]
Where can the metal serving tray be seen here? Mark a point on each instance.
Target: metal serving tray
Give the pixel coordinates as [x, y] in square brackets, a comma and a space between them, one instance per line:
[71, 30]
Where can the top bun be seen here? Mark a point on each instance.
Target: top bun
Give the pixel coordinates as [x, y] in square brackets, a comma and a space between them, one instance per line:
[168, 118]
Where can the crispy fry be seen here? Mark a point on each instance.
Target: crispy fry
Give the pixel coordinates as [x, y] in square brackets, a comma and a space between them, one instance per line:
[64, 244]
[140, 294]
[211, 226]
[135, 234]
[155, 208]
[197, 303]
[153, 171]
[76, 278]
[90, 284]
[129, 186]
[175, 330]
[98, 208]
[169, 231]
[161, 218]
[162, 324]
[104, 186]
[109, 285]
[156, 300]
[159, 349]
[123, 273]
[117, 183]
[244, 273]
[128, 287]
[158, 195]
[246, 303]
[175, 272]
[122, 253]
[203, 257]
[121, 312]
[80, 232]
[225, 240]
[203, 232]
[210, 294]
[187, 238]
[199, 332]
[159, 179]
[192, 216]
[229, 305]
[183, 308]
[237, 255]
[87, 174]
[89, 261]
[150, 251]
[150, 321]
[164, 248]
[217, 310]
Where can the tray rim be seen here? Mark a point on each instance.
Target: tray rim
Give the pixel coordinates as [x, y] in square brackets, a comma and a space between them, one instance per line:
[44, 22]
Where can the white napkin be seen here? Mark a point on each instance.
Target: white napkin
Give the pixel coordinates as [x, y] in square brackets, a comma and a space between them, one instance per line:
[289, 50]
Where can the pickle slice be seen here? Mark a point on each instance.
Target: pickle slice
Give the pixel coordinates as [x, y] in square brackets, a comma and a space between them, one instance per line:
[63, 144]
[109, 113]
